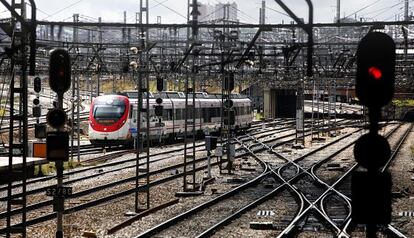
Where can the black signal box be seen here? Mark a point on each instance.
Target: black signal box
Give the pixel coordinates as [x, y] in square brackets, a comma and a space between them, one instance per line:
[160, 84]
[228, 82]
[59, 71]
[56, 118]
[37, 111]
[375, 69]
[229, 117]
[158, 110]
[211, 142]
[371, 198]
[37, 84]
[40, 131]
[57, 146]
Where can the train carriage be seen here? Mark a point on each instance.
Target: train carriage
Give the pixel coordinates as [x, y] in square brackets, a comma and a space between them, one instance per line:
[113, 118]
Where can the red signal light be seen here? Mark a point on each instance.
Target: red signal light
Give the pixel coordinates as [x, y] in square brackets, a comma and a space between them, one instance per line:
[375, 72]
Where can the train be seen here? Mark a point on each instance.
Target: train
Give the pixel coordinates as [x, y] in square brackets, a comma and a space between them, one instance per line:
[113, 118]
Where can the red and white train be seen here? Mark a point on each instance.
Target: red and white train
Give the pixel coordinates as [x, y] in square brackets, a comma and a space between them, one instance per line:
[113, 118]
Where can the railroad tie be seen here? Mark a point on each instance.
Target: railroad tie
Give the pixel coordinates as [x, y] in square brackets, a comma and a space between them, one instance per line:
[265, 213]
[406, 214]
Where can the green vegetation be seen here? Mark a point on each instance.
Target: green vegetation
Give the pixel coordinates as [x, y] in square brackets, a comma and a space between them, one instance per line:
[259, 116]
[403, 103]
[118, 86]
[50, 167]
[412, 151]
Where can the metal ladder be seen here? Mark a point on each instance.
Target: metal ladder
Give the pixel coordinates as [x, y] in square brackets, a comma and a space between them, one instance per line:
[142, 196]
[191, 110]
[17, 143]
[315, 115]
[332, 108]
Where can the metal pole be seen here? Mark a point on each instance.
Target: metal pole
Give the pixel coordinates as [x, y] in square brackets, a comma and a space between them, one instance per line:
[406, 7]
[139, 108]
[209, 163]
[338, 11]
[78, 116]
[59, 169]
[148, 109]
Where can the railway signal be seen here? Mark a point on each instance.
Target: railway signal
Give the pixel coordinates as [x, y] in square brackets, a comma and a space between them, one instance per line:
[228, 82]
[371, 189]
[36, 107]
[159, 108]
[57, 146]
[36, 111]
[228, 103]
[56, 118]
[37, 83]
[229, 117]
[375, 69]
[59, 71]
[160, 84]
[57, 142]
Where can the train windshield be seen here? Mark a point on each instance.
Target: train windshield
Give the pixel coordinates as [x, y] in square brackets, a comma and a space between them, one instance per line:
[109, 111]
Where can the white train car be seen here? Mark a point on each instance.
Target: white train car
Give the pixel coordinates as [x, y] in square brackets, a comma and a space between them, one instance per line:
[171, 125]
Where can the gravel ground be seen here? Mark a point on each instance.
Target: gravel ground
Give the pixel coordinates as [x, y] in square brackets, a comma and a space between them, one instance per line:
[402, 171]
[282, 206]
[98, 219]
[345, 159]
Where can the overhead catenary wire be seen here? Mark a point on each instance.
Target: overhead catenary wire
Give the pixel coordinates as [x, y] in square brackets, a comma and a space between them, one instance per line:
[388, 9]
[62, 9]
[363, 8]
[176, 12]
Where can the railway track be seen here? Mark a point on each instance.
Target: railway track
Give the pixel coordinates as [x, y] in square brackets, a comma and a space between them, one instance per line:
[117, 154]
[100, 200]
[103, 199]
[308, 187]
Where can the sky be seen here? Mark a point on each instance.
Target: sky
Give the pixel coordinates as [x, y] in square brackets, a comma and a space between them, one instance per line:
[175, 11]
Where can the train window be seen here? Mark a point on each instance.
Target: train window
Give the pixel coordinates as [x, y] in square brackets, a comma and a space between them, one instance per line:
[200, 95]
[131, 109]
[189, 112]
[108, 111]
[167, 114]
[198, 113]
[173, 95]
[178, 114]
[206, 114]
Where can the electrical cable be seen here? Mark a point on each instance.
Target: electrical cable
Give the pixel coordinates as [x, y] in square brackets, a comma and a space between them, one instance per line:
[63, 9]
[363, 8]
[176, 12]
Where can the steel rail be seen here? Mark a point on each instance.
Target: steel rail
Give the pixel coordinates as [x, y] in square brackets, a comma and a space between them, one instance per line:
[164, 225]
[281, 129]
[267, 196]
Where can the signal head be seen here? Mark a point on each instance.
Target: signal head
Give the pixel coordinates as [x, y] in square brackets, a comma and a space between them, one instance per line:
[36, 101]
[37, 83]
[375, 69]
[56, 118]
[59, 71]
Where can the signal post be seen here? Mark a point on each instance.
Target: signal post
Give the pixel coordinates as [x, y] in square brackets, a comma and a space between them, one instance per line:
[57, 141]
[371, 185]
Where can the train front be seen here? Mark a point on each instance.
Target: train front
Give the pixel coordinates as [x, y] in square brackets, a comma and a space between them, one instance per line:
[109, 120]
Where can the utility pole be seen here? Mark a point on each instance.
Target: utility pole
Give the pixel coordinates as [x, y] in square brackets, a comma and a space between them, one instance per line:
[262, 16]
[338, 11]
[406, 7]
